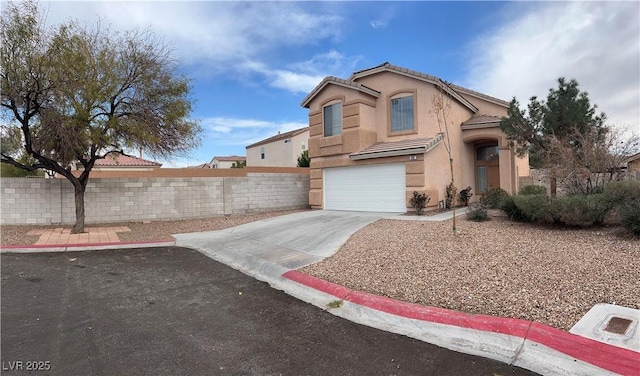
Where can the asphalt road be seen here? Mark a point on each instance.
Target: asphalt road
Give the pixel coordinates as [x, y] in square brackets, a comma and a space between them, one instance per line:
[173, 311]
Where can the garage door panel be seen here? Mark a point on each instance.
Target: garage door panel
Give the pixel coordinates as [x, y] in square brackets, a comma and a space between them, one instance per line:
[378, 188]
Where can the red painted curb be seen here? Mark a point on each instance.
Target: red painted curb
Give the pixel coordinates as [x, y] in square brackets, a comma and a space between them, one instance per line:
[39, 246]
[612, 358]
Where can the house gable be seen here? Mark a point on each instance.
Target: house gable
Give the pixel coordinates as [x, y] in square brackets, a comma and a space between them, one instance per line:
[387, 117]
[331, 80]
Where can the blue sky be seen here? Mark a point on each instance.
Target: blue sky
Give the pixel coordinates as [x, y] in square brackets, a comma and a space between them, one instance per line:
[252, 63]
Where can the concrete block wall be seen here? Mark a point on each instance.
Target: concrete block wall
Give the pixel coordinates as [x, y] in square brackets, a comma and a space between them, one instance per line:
[51, 201]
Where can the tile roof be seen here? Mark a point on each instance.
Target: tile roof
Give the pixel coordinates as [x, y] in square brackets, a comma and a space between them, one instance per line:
[231, 158]
[279, 136]
[483, 119]
[340, 82]
[120, 160]
[394, 148]
[479, 94]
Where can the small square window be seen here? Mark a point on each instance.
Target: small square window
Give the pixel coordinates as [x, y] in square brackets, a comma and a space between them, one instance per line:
[304, 147]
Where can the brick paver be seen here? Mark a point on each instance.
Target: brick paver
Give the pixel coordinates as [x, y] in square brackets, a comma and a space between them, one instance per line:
[92, 235]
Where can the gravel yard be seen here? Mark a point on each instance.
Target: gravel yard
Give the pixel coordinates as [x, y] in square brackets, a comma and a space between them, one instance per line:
[501, 268]
[157, 230]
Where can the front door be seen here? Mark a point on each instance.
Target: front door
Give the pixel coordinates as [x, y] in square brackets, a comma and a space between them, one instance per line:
[487, 167]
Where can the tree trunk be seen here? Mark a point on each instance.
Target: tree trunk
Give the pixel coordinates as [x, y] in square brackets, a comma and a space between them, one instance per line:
[79, 189]
[453, 196]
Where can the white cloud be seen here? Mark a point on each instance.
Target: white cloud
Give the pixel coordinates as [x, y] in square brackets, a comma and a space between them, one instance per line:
[302, 77]
[597, 43]
[218, 34]
[243, 132]
[383, 20]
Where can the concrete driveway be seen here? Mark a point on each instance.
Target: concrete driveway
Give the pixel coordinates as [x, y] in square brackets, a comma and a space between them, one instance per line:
[284, 243]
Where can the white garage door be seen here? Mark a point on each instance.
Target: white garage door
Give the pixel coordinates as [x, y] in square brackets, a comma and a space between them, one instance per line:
[374, 188]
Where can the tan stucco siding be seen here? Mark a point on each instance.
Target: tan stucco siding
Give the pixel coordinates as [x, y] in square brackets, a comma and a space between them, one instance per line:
[485, 107]
[391, 85]
[279, 153]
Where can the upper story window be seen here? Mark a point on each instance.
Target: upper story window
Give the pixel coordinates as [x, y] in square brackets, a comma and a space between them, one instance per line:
[262, 153]
[332, 119]
[402, 114]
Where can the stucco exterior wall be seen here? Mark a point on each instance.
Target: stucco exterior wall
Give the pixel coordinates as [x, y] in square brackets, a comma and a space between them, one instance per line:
[279, 153]
[51, 201]
[366, 120]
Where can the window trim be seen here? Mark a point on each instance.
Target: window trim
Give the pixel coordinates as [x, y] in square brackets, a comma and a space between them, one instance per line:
[397, 95]
[334, 102]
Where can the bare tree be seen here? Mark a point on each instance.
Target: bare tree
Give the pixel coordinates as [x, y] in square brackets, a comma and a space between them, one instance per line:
[79, 94]
[596, 162]
[441, 103]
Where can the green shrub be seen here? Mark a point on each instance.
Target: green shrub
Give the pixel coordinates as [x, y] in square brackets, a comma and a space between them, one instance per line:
[478, 213]
[580, 210]
[419, 201]
[630, 215]
[535, 208]
[494, 198]
[618, 192]
[512, 211]
[533, 190]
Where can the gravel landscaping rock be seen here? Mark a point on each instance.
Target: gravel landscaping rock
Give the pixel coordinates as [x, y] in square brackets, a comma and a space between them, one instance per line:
[501, 268]
[155, 230]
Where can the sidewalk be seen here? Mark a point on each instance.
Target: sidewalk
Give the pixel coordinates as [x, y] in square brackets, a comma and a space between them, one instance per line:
[526, 344]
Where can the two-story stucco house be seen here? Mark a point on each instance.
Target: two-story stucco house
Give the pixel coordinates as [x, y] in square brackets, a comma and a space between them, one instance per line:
[374, 139]
[226, 161]
[281, 150]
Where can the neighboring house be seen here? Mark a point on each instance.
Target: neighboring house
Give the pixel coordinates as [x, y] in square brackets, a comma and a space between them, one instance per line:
[115, 163]
[226, 162]
[119, 162]
[374, 139]
[633, 166]
[281, 150]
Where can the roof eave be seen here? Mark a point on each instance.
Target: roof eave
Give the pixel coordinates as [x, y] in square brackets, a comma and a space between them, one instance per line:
[466, 127]
[386, 67]
[388, 153]
[328, 81]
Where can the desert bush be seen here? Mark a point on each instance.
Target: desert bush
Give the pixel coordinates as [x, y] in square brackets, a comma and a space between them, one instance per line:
[478, 213]
[494, 198]
[533, 190]
[580, 210]
[464, 196]
[535, 208]
[419, 201]
[630, 215]
[528, 208]
[618, 192]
